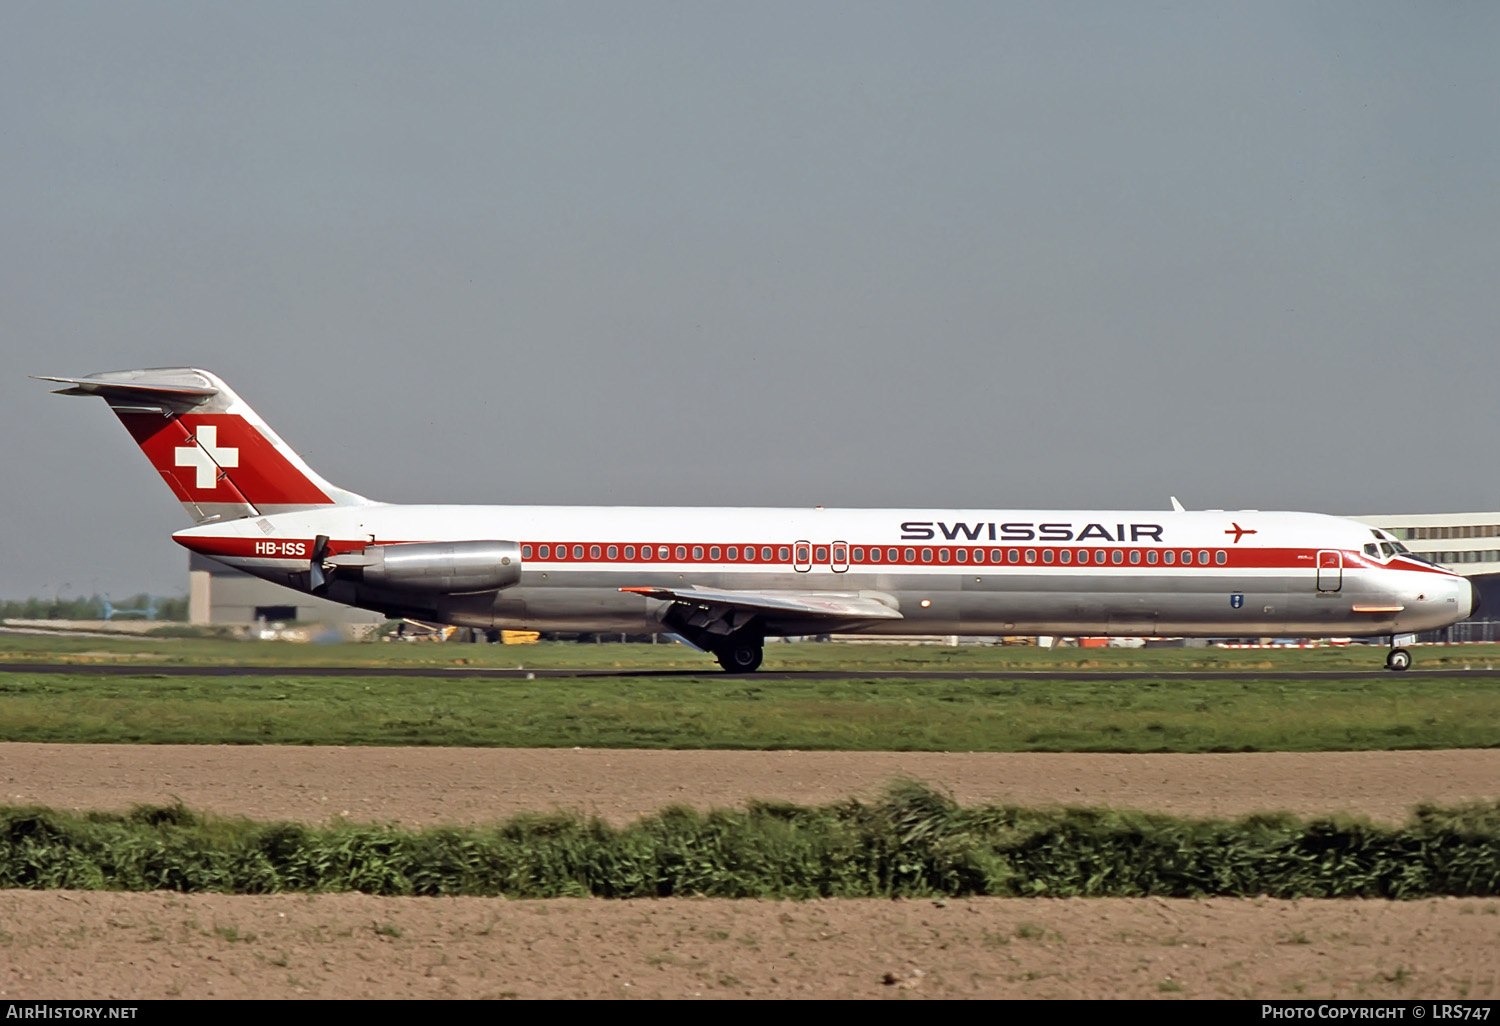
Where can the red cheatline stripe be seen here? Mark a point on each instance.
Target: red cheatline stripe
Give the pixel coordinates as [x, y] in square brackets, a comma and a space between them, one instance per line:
[919, 556]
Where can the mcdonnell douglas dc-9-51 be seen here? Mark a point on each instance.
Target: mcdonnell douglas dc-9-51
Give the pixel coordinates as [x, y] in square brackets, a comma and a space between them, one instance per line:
[725, 579]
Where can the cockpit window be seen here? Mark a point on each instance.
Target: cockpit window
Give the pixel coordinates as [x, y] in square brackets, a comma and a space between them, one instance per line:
[1387, 549]
[1372, 551]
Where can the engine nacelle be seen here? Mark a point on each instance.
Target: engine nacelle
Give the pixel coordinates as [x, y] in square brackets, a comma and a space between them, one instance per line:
[444, 568]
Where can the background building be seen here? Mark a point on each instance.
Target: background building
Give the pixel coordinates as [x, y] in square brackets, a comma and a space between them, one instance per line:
[1466, 542]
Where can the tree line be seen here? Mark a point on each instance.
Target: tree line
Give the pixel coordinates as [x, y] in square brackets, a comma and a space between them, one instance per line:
[96, 607]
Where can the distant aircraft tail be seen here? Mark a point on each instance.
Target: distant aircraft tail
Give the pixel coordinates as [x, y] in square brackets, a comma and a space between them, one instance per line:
[219, 458]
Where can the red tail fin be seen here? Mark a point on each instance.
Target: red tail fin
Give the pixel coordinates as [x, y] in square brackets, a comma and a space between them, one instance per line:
[218, 457]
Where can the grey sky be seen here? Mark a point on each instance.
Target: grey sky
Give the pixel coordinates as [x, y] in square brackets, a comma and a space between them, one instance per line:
[936, 254]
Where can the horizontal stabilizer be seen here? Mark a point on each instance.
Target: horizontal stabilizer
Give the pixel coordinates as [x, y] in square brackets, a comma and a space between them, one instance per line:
[176, 397]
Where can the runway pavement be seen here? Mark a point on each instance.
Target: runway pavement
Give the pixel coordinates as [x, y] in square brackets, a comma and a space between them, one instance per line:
[521, 673]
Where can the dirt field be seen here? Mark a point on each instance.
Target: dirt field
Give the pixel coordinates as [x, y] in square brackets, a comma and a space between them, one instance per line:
[75, 945]
[421, 786]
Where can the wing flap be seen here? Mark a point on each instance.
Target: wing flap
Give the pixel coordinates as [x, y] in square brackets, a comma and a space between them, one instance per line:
[841, 606]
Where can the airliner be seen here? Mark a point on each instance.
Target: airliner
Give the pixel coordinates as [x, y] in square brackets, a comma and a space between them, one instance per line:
[725, 579]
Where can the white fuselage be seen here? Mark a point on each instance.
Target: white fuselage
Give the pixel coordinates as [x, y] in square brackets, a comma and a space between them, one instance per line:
[1142, 573]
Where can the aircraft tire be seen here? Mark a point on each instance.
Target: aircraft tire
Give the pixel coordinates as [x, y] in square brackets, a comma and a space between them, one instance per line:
[1398, 659]
[740, 656]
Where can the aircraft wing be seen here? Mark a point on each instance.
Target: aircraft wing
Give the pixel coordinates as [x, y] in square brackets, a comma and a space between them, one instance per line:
[728, 605]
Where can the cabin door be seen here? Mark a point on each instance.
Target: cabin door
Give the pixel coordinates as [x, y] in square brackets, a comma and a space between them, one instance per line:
[1330, 570]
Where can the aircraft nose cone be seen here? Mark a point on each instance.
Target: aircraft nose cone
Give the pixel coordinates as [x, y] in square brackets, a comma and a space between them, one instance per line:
[1473, 598]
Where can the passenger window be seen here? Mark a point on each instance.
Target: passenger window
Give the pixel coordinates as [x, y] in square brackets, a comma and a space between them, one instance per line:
[1031, 555]
[927, 555]
[1135, 555]
[593, 552]
[820, 554]
[613, 552]
[962, 554]
[784, 553]
[995, 555]
[839, 554]
[802, 553]
[663, 552]
[1065, 556]
[1083, 556]
[943, 555]
[577, 551]
[1203, 557]
[1169, 557]
[713, 553]
[979, 555]
[1116, 557]
[1221, 557]
[733, 552]
[525, 551]
[697, 553]
[1013, 556]
[1099, 556]
[1046, 555]
[544, 552]
[765, 553]
[911, 555]
[630, 552]
[859, 554]
[1187, 558]
[1151, 556]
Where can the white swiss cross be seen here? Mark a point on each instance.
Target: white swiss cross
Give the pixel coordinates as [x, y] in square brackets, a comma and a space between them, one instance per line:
[207, 457]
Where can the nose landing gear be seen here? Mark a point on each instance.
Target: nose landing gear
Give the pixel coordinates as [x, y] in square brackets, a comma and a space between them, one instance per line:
[1397, 659]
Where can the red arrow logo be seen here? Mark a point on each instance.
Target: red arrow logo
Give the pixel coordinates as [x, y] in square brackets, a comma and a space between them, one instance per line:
[1239, 532]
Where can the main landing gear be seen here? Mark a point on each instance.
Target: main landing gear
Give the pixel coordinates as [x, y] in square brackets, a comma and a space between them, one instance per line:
[740, 655]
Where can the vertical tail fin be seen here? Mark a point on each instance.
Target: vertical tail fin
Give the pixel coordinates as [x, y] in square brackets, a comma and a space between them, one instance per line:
[215, 453]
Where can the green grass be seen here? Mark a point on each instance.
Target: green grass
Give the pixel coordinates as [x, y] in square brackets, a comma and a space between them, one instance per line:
[1377, 711]
[913, 842]
[16, 648]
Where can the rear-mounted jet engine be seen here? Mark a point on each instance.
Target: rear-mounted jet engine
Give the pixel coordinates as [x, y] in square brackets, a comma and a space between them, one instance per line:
[431, 568]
